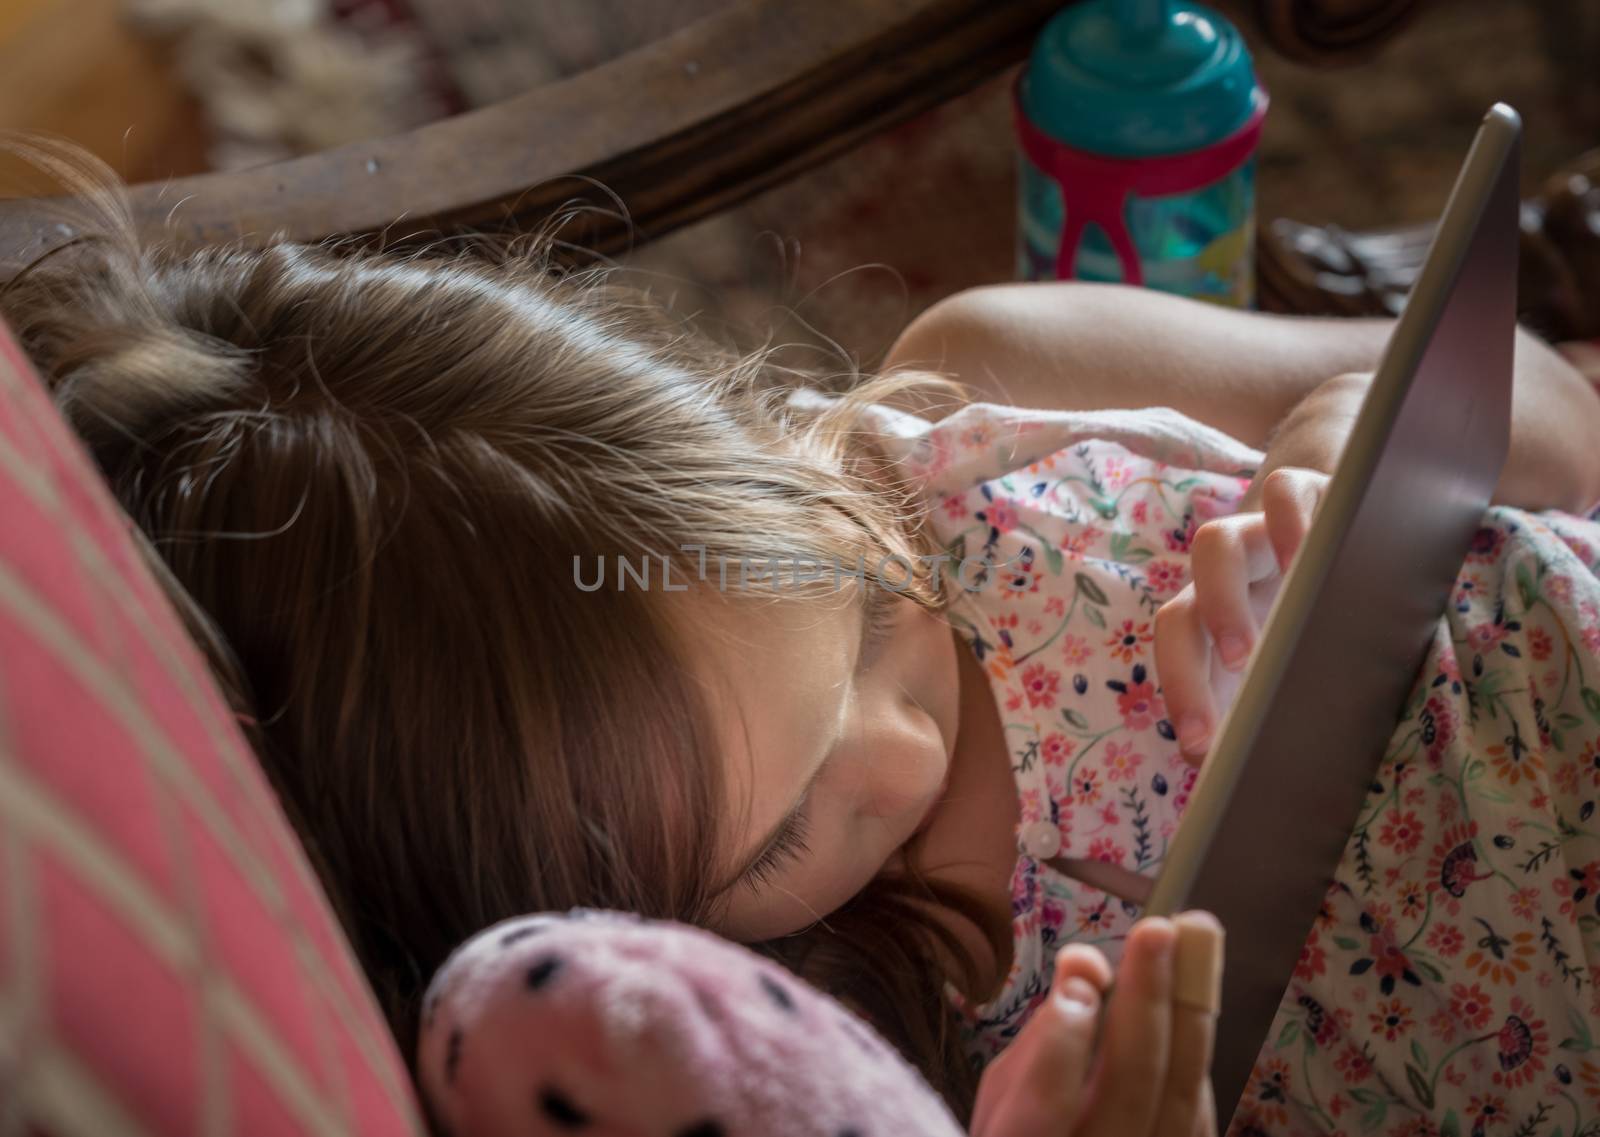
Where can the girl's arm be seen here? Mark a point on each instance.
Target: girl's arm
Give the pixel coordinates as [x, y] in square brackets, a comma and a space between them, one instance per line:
[1078, 346]
[1554, 461]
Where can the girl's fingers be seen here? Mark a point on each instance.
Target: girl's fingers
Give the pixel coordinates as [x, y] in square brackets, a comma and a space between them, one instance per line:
[1215, 621]
[1196, 998]
[1183, 662]
[1227, 556]
[1138, 1035]
[1052, 1089]
[1038, 1086]
[1155, 1054]
[1085, 962]
[1289, 498]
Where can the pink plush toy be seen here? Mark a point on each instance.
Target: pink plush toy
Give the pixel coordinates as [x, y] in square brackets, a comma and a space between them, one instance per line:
[608, 1025]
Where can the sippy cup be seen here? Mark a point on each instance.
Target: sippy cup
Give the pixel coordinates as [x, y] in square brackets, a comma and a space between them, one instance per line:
[1138, 122]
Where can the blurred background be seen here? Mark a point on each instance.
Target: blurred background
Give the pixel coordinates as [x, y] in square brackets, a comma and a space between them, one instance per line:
[837, 259]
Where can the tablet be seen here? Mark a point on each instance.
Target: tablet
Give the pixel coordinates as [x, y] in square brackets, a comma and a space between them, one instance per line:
[1272, 811]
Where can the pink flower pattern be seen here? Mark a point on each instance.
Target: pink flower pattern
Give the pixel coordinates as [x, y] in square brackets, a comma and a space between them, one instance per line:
[1452, 955]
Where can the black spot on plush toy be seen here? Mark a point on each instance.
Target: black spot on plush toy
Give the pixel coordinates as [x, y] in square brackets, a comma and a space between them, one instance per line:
[606, 1025]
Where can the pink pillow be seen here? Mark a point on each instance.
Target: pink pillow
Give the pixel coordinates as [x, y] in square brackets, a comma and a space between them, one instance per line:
[168, 964]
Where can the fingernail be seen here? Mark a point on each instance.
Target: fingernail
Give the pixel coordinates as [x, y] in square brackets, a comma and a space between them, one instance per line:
[1077, 997]
[1193, 734]
[1160, 928]
[1234, 650]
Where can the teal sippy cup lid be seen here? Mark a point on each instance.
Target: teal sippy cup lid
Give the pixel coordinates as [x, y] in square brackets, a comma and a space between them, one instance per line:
[1139, 78]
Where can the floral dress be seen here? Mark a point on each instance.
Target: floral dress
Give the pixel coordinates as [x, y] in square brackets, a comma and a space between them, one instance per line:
[1449, 985]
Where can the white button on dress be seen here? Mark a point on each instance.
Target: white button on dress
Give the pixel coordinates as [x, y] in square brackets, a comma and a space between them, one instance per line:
[1041, 839]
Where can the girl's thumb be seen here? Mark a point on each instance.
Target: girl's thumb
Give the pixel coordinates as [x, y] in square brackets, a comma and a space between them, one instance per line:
[1050, 1091]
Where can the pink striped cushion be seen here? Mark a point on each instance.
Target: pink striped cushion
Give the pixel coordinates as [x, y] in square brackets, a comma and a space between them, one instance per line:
[168, 965]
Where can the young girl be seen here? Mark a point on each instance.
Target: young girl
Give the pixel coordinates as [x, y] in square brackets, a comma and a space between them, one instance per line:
[384, 481]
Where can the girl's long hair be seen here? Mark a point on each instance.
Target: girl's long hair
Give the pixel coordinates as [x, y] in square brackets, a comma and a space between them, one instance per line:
[368, 474]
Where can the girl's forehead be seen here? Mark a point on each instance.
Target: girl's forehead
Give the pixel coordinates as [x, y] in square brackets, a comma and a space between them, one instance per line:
[733, 626]
[776, 673]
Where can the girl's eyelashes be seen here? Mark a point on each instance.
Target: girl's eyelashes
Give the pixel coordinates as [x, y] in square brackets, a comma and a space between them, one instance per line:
[790, 846]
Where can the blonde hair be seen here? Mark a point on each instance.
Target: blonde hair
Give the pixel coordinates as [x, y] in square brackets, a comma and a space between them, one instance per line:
[367, 475]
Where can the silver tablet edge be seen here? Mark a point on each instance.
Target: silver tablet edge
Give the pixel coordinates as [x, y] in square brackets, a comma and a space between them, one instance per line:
[1224, 765]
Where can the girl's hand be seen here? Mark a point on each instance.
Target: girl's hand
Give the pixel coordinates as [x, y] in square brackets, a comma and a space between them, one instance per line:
[1150, 1076]
[1205, 634]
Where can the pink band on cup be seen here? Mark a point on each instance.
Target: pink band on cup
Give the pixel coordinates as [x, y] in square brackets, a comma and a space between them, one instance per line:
[1096, 189]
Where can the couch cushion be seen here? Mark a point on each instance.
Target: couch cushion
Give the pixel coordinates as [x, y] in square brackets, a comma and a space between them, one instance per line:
[168, 964]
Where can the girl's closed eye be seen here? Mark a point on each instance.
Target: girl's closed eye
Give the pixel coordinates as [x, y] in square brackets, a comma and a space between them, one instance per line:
[790, 846]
